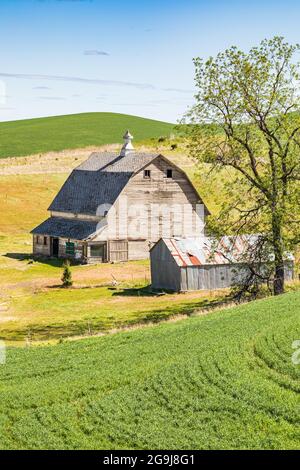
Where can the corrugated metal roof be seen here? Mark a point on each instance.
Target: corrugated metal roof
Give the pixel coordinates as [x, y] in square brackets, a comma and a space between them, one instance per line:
[201, 251]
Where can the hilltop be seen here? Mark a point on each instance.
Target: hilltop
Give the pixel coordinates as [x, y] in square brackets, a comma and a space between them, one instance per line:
[32, 136]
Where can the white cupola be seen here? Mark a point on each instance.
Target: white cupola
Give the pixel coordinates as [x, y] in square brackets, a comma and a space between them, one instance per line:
[127, 147]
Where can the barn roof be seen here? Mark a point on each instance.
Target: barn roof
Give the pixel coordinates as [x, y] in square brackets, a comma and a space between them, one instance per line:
[67, 228]
[99, 180]
[203, 251]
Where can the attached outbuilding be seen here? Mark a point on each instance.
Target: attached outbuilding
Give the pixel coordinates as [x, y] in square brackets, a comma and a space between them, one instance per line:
[179, 264]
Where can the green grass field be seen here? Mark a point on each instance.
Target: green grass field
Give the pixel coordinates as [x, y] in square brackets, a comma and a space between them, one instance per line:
[221, 381]
[31, 136]
[32, 305]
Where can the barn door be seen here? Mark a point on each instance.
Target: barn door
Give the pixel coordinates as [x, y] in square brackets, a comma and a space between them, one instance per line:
[55, 247]
[118, 250]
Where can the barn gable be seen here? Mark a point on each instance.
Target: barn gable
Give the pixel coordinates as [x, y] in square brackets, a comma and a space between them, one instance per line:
[89, 207]
[99, 180]
[159, 167]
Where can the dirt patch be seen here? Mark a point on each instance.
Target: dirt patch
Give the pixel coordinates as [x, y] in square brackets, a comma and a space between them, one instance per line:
[51, 162]
[7, 319]
[87, 276]
[66, 160]
[108, 272]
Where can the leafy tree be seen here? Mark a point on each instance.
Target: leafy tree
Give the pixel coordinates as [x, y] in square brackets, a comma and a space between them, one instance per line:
[67, 275]
[246, 121]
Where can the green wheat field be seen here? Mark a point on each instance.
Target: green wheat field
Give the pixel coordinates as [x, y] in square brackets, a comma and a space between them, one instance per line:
[223, 381]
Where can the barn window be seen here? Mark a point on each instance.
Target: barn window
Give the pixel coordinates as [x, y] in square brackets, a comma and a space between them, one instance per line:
[45, 241]
[169, 173]
[147, 173]
[97, 251]
[38, 240]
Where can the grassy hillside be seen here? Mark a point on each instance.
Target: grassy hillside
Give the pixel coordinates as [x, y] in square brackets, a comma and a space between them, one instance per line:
[32, 136]
[31, 302]
[221, 381]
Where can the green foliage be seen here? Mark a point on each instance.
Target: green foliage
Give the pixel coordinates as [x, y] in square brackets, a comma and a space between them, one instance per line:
[252, 100]
[67, 275]
[216, 382]
[26, 137]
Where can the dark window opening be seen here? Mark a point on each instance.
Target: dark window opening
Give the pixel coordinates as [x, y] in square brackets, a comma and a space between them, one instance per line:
[97, 251]
[147, 173]
[45, 241]
[169, 173]
[55, 246]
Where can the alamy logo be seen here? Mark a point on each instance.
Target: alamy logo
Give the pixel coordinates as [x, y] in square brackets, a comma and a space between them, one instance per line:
[296, 354]
[150, 221]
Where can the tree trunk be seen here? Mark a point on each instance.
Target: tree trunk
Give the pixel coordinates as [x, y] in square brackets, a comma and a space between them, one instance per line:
[278, 285]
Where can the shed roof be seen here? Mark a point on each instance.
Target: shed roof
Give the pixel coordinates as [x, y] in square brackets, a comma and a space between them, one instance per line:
[204, 250]
[67, 228]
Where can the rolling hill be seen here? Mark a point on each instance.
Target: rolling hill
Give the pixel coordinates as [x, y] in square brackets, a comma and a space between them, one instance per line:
[31, 136]
[225, 380]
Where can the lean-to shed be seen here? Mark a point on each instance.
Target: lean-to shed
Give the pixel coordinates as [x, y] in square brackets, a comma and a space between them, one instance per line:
[180, 264]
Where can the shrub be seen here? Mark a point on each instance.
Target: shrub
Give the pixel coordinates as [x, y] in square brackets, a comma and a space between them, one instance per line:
[67, 275]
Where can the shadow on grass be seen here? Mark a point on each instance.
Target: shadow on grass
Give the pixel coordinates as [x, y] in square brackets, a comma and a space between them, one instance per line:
[94, 325]
[55, 262]
[135, 292]
[75, 287]
[188, 309]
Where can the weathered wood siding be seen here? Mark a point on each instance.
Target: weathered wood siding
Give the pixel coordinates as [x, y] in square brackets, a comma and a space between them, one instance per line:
[71, 215]
[83, 251]
[167, 274]
[153, 209]
[143, 209]
[118, 250]
[218, 276]
[39, 248]
[90, 258]
[289, 270]
[78, 253]
[210, 276]
[138, 249]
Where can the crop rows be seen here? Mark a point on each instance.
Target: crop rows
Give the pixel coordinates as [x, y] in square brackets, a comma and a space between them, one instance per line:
[221, 381]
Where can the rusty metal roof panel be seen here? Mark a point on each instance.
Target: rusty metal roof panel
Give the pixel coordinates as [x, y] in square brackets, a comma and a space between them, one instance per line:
[204, 250]
[208, 251]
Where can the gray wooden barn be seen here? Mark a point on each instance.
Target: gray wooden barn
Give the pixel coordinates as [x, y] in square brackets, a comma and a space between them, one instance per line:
[179, 264]
[112, 208]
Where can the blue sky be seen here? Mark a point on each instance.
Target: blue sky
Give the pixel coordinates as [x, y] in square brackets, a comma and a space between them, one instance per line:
[135, 57]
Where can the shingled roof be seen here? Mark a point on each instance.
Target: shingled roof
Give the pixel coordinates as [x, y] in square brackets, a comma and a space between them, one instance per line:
[66, 228]
[99, 180]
